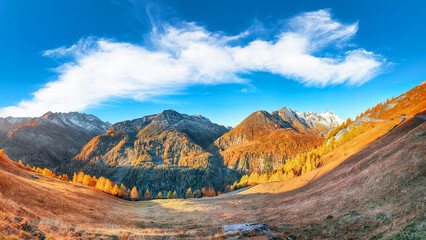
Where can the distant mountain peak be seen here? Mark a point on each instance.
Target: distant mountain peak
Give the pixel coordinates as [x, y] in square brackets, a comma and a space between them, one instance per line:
[50, 139]
[166, 138]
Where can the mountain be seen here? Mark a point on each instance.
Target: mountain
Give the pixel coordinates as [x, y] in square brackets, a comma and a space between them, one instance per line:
[49, 140]
[401, 107]
[322, 123]
[264, 141]
[158, 152]
[168, 138]
[370, 187]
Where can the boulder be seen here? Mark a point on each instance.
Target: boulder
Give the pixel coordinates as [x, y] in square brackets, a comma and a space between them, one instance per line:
[246, 227]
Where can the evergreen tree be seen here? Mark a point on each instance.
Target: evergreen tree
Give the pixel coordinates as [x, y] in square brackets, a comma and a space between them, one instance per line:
[197, 194]
[148, 195]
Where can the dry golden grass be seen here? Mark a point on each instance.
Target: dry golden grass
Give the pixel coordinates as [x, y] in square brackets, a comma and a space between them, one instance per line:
[371, 186]
[325, 203]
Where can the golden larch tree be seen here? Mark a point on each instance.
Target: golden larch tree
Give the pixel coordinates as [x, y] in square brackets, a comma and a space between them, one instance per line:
[189, 193]
[108, 186]
[134, 195]
[115, 191]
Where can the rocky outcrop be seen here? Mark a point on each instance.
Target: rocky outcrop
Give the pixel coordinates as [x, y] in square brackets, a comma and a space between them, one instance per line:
[246, 227]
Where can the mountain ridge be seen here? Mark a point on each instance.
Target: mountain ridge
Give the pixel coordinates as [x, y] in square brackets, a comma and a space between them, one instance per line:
[263, 141]
[49, 140]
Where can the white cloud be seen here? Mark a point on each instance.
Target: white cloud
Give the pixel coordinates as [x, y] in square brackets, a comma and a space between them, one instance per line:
[102, 69]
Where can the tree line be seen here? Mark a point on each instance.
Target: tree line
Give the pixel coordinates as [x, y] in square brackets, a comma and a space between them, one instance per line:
[302, 163]
[121, 191]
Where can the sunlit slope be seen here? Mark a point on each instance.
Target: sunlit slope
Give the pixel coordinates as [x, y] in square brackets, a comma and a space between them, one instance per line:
[376, 192]
[371, 186]
[263, 141]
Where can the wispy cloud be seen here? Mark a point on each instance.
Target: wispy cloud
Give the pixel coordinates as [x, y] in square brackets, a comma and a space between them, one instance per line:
[188, 54]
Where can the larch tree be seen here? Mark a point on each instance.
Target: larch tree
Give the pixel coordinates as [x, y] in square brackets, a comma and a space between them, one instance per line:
[47, 172]
[108, 186]
[65, 178]
[74, 177]
[88, 181]
[189, 193]
[123, 191]
[175, 195]
[80, 177]
[169, 195]
[253, 179]
[100, 184]
[94, 179]
[134, 195]
[115, 191]
[160, 195]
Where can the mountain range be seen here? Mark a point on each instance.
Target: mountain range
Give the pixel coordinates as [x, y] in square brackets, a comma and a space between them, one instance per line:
[264, 141]
[369, 183]
[169, 146]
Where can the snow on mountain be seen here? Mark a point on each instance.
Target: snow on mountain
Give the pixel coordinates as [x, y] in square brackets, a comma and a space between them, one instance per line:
[86, 122]
[49, 140]
[328, 119]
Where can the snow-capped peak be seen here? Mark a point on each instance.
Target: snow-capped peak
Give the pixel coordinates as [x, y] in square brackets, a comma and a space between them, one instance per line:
[88, 122]
[327, 118]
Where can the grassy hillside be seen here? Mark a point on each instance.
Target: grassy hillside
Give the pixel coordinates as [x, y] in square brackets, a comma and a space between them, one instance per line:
[377, 192]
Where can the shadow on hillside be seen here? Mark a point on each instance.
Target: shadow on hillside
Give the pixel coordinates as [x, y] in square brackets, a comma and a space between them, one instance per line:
[360, 197]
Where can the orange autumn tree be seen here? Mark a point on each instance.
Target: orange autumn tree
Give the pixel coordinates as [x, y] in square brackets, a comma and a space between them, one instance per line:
[101, 183]
[108, 186]
[115, 191]
[208, 192]
[134, 195]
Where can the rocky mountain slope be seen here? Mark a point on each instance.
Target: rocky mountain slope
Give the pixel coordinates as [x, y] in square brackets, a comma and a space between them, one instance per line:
[169, 138]
[372, 191]
[264, 141]
[167, 151]
[49, 140]
[401, 107]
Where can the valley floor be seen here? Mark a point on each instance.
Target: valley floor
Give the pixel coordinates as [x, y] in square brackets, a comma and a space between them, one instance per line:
[364, 191]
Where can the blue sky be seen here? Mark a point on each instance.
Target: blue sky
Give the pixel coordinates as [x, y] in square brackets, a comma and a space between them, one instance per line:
[125, 59]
